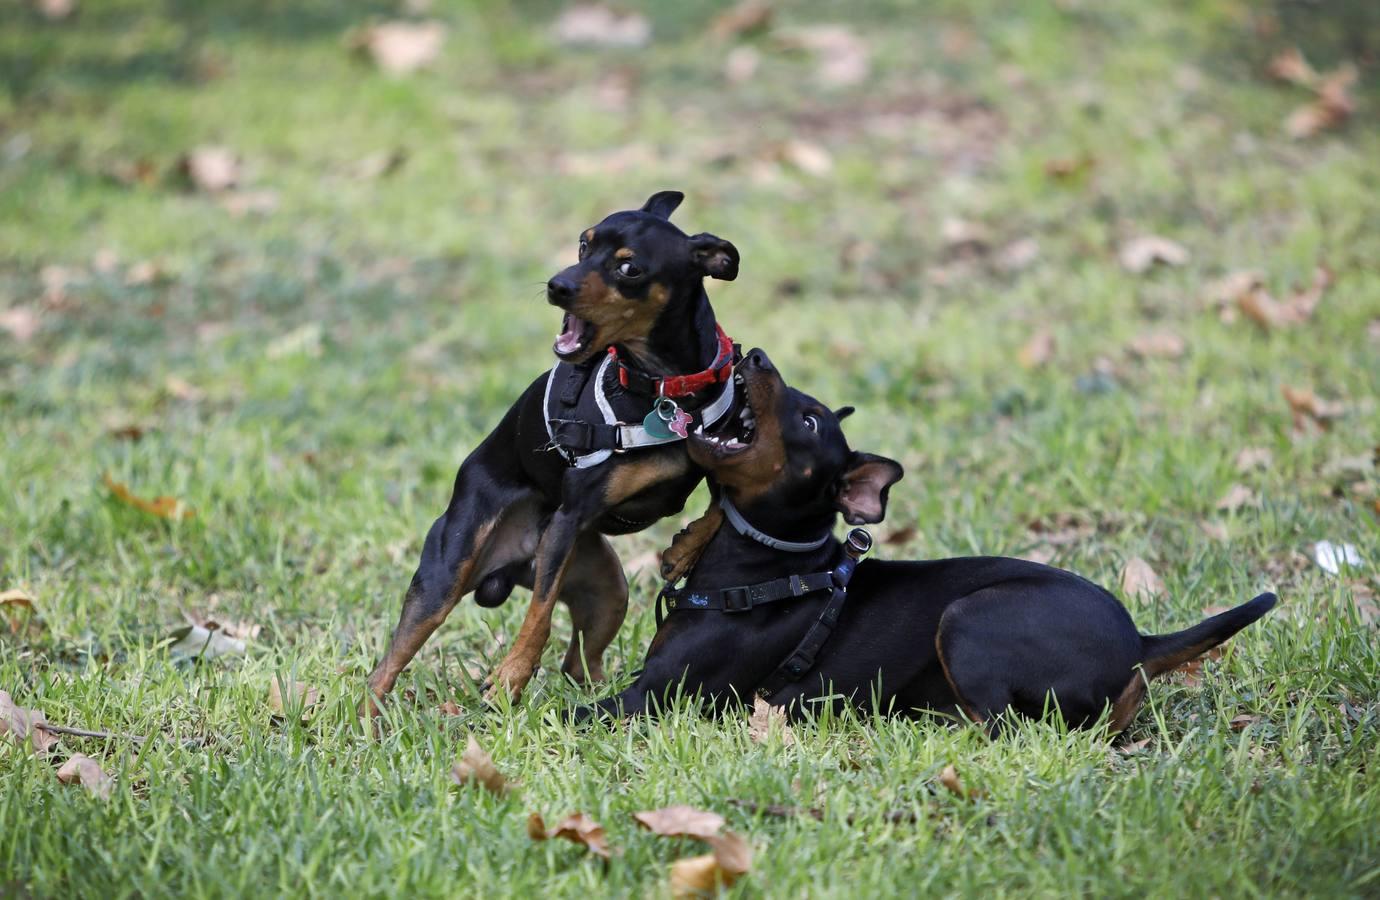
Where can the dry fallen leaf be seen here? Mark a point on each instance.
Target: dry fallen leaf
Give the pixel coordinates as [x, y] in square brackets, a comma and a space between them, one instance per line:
[842, 58]
[22, 725]
[1020, 254]
[954, 785]
[898, 536]
[240, 204]
[21, 322]
[55, 10]
[1251, 458]
[450, 708]
[807, 156]
[741, 64]
[1069, 166]
[1215, 530]
[1158, 344]
[1139, 254]
[1290, 66]
[300, 694]
[400, 48]
[163, 507]
[1237, 496]
[1309, 409]
[13, 601]
[680, 821]
[88, 773]
[767, 718]
[1139, 579]
[379, 165]
[576, 827]
[477, 767]
[1037, 351]
[698, 876]
[594, 24]
[211, 169]
[746, 17]
[1133, 747]
[1239, 722]
[1330, 108]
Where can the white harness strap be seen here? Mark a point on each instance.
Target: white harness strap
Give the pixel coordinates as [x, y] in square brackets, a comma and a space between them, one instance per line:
[630, 436]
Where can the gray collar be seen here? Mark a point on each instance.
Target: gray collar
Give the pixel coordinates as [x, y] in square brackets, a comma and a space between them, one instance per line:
[743, 527]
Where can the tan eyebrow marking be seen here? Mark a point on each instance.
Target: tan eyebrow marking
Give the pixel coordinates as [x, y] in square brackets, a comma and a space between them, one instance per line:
[588, 235]
[623, 253]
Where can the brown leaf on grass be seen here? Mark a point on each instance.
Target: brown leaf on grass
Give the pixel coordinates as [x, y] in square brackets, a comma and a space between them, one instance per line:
[21, 322]
[1237, 496]
[746, 17]
[182, 389]
[1303, 302]
[196, 642]
[1020, 254]
[807, 156]
[16, 598]
[1330, 108]
[1139, 579]
[1251, 458]
[1248, 293]
[594, 24]
[841, 56]
[133, 172]
[232, 628]
[1059, 529]
[1308, 408]
[299, 694]
[680, 821]
[1215, 530]
[145, 272]
[767, 718]
[741, 64]
[954, 785]
[1134, 747]
[378, 165]
[477, 767]
[55, 10]
[1190, 674]
[449, 708]
[163, 507]
[19, 607]
[400, 48]
[1139, 254]
[1288, 65]
[1037, 351]
[1239, 722]
[898, 536]
[88, 773]
[699, 876]
[577, 828]
[1068, 167]
[1158, 345]
[240, 204]
[212, 169]
[21, 725]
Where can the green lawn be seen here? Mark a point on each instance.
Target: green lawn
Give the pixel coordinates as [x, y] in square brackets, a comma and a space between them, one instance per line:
[307, 374]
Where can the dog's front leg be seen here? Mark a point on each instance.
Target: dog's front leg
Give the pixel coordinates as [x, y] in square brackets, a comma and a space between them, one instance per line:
[552, 559]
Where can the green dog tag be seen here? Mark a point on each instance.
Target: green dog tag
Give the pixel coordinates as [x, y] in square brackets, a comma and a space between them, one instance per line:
[657, 422]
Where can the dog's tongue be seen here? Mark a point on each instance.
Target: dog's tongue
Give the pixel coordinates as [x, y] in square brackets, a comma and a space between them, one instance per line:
[569, 339]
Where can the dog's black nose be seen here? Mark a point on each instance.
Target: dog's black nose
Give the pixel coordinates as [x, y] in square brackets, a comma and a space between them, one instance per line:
[560, 290]
[757, 358]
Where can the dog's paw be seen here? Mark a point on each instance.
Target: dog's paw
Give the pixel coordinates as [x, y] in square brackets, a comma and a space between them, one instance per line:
[509, 680]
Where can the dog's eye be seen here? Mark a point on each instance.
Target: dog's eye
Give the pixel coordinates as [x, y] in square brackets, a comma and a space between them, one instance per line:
[584, 247]
[628, 270]
[812, 423]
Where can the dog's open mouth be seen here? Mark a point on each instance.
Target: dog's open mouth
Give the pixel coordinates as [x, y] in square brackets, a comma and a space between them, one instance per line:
[735, 432]
[575, 336]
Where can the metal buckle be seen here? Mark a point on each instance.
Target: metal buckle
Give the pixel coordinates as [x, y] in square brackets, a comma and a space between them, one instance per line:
[859, 542]
[737, 600]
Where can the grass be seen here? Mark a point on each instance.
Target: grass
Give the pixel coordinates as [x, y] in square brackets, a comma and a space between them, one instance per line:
[308, 379]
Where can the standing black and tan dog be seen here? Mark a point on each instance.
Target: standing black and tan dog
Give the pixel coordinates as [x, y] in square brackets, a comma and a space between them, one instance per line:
[774, 606]
[593, 447]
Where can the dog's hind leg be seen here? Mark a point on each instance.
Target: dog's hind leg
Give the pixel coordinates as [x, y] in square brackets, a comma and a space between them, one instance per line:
[596, 592]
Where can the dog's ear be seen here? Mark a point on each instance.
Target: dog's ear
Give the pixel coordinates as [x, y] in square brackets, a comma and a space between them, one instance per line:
[844, 412]
[663, 203]
[862, 488]
[714, 256]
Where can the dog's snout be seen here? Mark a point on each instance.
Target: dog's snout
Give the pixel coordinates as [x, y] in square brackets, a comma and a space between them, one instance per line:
[757, 358]
[561, 290]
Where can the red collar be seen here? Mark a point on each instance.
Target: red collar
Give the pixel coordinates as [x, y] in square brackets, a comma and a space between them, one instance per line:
[718, 372]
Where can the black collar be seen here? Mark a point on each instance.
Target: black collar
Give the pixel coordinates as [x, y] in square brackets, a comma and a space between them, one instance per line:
[745, 528]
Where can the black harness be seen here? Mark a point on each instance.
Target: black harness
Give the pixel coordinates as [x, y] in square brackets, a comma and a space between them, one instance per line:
[747, 597]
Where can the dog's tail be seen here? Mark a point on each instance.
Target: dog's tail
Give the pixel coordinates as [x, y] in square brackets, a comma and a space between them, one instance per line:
[1164, 652]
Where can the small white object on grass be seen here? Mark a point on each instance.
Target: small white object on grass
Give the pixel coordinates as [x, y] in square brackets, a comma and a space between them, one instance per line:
[1331, 557]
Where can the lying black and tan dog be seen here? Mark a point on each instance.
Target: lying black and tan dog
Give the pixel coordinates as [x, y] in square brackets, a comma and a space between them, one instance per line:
[596, 446]
[773, 604]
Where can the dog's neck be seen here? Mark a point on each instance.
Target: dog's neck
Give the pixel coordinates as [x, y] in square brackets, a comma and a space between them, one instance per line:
[732, 559]
[683, 340]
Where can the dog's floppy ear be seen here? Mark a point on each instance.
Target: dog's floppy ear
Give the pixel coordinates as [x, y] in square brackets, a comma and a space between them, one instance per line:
[862, 488]
[844, 412]
[663, 203]
[714, 256]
